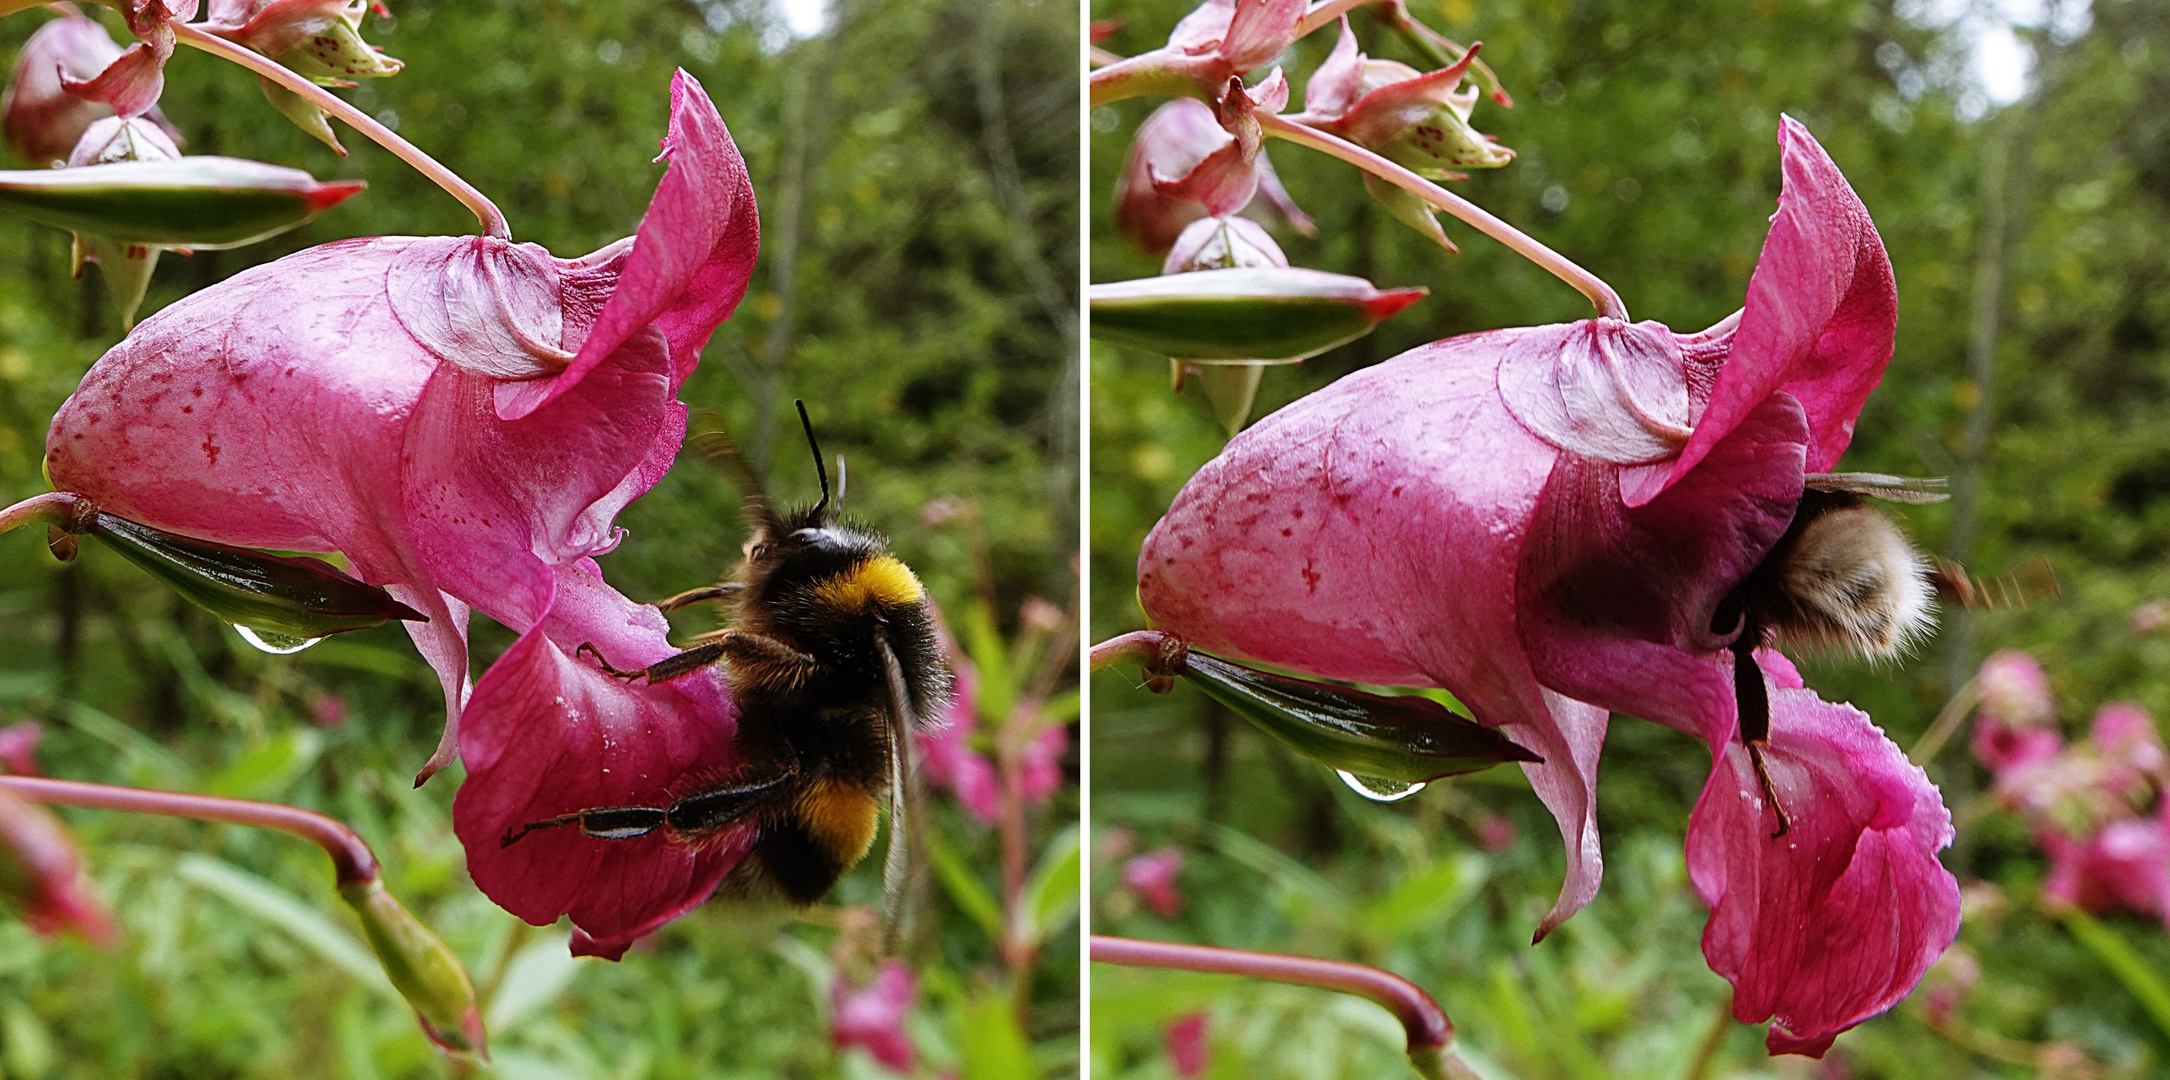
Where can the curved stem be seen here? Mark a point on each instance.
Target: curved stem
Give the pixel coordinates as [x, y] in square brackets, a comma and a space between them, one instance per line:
[1323, 12]
[486, 212]
[1425, 1023]
[1588, 284]
[1136, 647]
[51, 508]
[1948, 719]
[351, 858]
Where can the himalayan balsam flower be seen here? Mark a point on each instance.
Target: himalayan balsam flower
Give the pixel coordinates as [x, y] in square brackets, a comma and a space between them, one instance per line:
[872, 1016]
[1553, 520]
[132, 82]
[1188, 1050]
[320, 40]
[2014, 690]
[462, 417]
[1153, 877]
[1184, 166]
[42, 875]
[42, 120]
[19, 747]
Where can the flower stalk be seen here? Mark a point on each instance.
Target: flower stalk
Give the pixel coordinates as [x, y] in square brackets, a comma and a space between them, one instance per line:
[1430, 1034]
[1588, 284]
[352, 861]
[486, 213]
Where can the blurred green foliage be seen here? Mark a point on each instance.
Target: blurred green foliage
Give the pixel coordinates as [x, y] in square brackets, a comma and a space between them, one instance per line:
[1647, 153]
[909, 241]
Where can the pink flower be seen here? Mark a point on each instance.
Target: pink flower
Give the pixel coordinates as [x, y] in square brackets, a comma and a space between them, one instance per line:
[42, 120]
[1184, 166]
[1496, 833]
[946, 756]
[460, 416]
[2014, 690]
[1153, 876]
[1418, 119]
[1557, 522]
[873, 1015]
[1188, 1050]
[132, 82]
[2126, 865]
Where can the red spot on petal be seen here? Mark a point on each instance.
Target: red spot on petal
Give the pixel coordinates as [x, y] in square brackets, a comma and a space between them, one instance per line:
[210, 450]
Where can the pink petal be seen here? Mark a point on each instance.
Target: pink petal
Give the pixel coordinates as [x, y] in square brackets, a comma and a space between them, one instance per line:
[275, 27]
[692, 257]
[1207, 167]
[2002, 748]
[549, 733]
[1821, 313]
[1339, 80]
[1259, 30]
[19, 747]
[1837, 920]
[1421, 458]
[130, 84]
[1397, 107]
[1617, 604]
[1187, 1047]
[1040, 767]
[1153, 876]
[41, 873]
[2015, 690]
[1604, 389]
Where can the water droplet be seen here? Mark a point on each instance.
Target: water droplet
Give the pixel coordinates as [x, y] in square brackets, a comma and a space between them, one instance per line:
[1377, 789]
[279, 644]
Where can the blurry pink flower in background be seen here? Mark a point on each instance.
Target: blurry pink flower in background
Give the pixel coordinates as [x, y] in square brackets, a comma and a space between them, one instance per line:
[2015, 691]
[1153, 876]
[2125, 866]
[1183, 166]
[19, 747]
[872, 1016]
[2151, 617]
[946, 757]
[1495, 832]
[42, 874]
[1188, 1050]
[329, 710]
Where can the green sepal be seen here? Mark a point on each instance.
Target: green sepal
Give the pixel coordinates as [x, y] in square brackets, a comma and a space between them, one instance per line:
[125, 268]
[1408, 209]
[203, 202]
[292, 596]
[1249, 315]
[303, 112]
[1406, 739]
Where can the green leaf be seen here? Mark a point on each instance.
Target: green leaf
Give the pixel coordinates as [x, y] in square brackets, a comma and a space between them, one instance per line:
[1425, 899]
[288, 912]
[263, 771]
[537, 975]
[1255, 314]
[1051, 893]
[2138, 977]
[203, 202]
[992, 1044]
[963, 885]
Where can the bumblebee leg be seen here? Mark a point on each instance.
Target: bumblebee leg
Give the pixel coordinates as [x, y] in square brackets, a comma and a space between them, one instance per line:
[664, 670]
[1770, 794]
[695, 596]
[757, 658]
[588, 648]
[604, 823]
[708, 811]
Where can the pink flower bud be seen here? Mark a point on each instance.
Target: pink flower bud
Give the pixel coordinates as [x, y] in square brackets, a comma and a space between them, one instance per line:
[42, 121]
[1188, 1050]
[41, 873]
[1153, 876]
[19, 747]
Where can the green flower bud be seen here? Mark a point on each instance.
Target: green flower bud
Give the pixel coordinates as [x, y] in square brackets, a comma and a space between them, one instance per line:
[191, 202]
[275, 596]
[422, 967]
[1256, 314]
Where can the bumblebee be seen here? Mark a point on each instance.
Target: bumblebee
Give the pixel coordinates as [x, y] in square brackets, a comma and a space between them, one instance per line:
[833, 657]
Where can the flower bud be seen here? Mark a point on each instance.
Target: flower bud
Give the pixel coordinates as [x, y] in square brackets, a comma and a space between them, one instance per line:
[1404, 739]
[282, 596]
[421, 966]
[320, 40]
[42, 120]
[41, 873]
[192, 202]
[1270, 314]
[1222, 243]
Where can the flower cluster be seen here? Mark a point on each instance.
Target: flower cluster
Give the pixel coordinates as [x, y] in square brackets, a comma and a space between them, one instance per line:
[1558, 523]
[2089, 802]
[462, 418]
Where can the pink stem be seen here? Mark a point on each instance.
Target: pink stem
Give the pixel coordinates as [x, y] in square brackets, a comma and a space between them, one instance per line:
[1136, 647]
[1588, 284]
[1421, 1017]
[486, 212]
[352, 860]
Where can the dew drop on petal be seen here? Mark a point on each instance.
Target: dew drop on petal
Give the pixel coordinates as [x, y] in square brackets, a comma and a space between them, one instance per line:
[1377, 789]
[277, 644]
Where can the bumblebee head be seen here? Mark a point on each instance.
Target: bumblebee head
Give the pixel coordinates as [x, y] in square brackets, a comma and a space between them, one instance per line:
[815, 555]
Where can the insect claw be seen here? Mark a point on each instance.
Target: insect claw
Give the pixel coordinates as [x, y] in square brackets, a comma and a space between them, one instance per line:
[1770, 794]
[588, 648]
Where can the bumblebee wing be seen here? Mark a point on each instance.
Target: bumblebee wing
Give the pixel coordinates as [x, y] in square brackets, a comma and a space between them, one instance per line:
[896, 865]
[1898, 489]
[716, 445]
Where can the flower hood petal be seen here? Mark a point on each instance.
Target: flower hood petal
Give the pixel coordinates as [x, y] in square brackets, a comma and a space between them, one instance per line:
[548, 732]
[1821, 313]
[1837, 920]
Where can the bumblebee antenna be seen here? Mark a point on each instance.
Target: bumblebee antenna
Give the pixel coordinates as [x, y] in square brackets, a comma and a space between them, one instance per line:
[820, 468]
